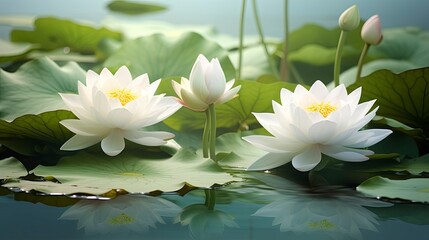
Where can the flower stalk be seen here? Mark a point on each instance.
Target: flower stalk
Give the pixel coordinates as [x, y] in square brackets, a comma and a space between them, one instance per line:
[338, 54]
[206, 135]
[261, 37]
[241, 37]
[361, 59]
[284, 65]
[212, 134]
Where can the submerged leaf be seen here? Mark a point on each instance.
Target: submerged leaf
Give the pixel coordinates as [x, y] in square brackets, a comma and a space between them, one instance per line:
[402, 97]
[133, 8]
[34, 88]
[129, 171]
[415, 189]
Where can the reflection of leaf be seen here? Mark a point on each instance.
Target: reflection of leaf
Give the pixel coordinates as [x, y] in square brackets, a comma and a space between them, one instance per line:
[50, 33]
[403, 97]
[133, 8]
[161, 57]
[415, 189]
[34, 88]
[237, 113]
[132, 172]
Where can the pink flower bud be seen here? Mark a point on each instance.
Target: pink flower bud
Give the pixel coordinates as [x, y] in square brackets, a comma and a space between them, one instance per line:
[371, 31]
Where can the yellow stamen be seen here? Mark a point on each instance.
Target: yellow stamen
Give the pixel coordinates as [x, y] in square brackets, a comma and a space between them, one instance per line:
[323, 108]
[121, 219]
[123, 95]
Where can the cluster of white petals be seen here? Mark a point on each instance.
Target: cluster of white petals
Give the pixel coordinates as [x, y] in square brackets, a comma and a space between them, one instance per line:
[308, 123]
[206, 85]
[111, 108]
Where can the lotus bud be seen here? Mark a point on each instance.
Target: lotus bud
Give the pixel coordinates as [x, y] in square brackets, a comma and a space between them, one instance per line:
[371, 31]
[349, 19]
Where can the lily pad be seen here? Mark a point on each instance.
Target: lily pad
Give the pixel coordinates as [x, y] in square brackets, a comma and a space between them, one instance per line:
[415, 189]
[13, 51]
[161, 56]
[51, 33]
[134, 8]
[11, 168]
[34, 88]
[35, 139]
[317, 45]
[132, 172]
[235, 114]
[402, 97]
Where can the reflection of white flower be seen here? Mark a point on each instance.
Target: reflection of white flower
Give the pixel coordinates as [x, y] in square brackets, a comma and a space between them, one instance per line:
[308, 123]
[127, 213]
[206, 85]
[205, 222]
[337, 216]
[112, 108]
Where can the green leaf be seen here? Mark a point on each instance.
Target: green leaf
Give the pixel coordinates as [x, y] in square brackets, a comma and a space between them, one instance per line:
[235, 114]
[44, 127]
[402, 97]
[12, 51]
[161, 56]
[414, 189]
[34, 88]
[317, 45]
[11, 168]
[134, 8]
[51, 33]
[36, 139]
[402, 49]
[132, 172]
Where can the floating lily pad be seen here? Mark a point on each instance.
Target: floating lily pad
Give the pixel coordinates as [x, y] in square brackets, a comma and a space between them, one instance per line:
[402, 97]
[134, 8]
[11, 168]
[12, 51]
[161, 56]
[51, 33]
[133, 172]
[34, 88]
[415, 189]
[235, 114]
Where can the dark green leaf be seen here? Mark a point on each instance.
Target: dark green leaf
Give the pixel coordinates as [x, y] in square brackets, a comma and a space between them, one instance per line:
[403, 97]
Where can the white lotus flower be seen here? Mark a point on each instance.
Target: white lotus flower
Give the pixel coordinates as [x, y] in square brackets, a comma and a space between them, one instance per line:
[206, 85]
[308, 123]
[112, 108]
[124, 214]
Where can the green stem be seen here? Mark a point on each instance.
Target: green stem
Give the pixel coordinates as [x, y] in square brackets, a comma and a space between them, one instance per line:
[337, 64]
[240, 47]
[361, 58]
[261, 37]
[210, 201]
[212, 148]
[206, 134]
[284, 68]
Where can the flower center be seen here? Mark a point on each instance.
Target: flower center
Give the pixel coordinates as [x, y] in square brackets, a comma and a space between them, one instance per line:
[123, 95]
[323, 108]
[121, 219]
